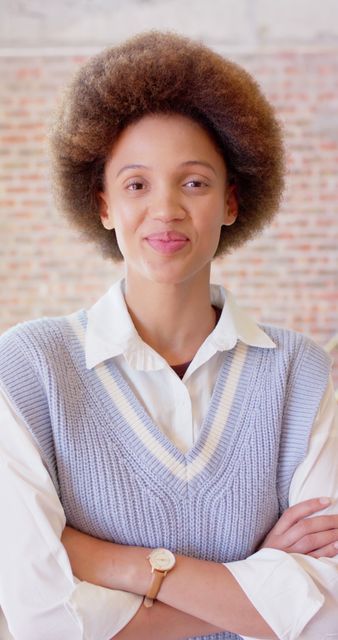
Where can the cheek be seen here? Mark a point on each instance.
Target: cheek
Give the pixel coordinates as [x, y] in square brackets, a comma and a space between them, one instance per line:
[211, 232]
[127, 216]
[212, 223]
[126, 232]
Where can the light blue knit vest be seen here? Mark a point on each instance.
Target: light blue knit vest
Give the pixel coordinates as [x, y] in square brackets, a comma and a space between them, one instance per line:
[120, 479]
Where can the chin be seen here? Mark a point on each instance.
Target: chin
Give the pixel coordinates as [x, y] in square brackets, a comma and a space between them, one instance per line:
[169, 273]
[172, 276]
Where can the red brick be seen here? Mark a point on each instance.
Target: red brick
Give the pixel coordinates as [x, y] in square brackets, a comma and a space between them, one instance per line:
[287, 276]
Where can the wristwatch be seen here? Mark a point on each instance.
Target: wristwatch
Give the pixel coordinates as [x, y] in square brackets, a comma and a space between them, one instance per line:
[161, 561]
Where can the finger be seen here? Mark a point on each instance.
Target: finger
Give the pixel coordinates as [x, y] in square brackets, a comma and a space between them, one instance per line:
[320, 525]
[311, 525]
[317, 524]
[314, 542]
[330, 551]
[299, 511]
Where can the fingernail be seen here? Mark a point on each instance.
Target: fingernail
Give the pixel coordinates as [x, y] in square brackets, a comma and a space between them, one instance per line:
[336, 545]
[325, 500]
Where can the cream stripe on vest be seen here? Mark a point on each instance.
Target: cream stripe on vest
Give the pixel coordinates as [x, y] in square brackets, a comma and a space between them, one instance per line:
[192, 468]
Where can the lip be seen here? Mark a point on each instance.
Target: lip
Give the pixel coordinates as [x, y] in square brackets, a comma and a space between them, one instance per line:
[167, 236]
[167, 242]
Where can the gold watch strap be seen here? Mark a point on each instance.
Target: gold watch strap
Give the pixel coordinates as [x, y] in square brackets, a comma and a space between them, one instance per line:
[155, 585]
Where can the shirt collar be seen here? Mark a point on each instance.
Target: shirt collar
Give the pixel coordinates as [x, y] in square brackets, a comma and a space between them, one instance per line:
[110, 331]
[235, 324]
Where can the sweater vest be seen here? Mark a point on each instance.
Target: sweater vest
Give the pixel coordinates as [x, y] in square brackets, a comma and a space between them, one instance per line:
[119, 478]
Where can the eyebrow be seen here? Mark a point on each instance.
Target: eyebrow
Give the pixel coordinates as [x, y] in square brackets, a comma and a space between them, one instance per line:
[202, 162]
[131, 166]
[184, 164]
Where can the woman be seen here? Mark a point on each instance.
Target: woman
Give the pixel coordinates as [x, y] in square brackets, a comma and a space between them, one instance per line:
[175, 429]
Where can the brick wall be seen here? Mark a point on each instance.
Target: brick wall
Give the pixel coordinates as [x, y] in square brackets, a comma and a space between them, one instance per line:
[288, 276]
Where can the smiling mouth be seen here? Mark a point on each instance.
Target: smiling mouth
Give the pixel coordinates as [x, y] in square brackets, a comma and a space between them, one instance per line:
[167, 242]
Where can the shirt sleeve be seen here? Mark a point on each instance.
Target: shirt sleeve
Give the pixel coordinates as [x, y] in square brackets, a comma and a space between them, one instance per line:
[39, 596]
[297, 594]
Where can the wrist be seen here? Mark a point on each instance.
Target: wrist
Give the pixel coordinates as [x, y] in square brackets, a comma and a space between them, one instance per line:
[130, 570]
[161, 561]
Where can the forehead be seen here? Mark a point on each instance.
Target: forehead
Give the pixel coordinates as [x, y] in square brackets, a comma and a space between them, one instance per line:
[165, 136]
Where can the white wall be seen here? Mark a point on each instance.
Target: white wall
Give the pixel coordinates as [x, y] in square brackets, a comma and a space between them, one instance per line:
[245, 24]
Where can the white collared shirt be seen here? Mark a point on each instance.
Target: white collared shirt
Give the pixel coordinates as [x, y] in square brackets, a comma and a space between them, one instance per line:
[179, 414]
[79, 610]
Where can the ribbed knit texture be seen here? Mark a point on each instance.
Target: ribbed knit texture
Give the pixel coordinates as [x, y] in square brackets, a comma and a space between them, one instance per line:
[120, 478]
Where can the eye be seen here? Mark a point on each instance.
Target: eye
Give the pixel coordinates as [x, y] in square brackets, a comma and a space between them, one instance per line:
[135, 185]
[196, 184]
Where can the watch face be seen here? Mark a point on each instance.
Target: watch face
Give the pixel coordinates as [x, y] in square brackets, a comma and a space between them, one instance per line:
[162, 559]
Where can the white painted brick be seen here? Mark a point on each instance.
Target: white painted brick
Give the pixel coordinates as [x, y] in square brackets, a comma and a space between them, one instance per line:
[230, 23]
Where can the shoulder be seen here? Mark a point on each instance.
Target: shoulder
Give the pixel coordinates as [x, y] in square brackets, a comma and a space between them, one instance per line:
[298, 351]
[292, 341]
[39, 333]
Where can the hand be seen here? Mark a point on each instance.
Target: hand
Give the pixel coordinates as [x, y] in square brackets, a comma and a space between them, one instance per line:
[296, 533]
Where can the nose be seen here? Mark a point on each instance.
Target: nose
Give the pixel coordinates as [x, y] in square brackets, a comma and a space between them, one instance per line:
[166, 206]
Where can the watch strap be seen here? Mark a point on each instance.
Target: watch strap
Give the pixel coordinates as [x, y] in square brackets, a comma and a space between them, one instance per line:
[155, 585]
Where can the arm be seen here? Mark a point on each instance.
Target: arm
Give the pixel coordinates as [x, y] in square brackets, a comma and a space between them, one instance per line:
[38, 593]
[166, 623]
[66, 607]
[127, 568]
[312, 583]
[318, 474]
[294, 531]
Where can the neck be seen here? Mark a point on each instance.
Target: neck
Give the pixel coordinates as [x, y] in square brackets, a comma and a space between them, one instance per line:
[165, 315]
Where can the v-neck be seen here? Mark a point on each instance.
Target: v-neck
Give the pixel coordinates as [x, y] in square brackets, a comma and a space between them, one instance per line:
[143, 440]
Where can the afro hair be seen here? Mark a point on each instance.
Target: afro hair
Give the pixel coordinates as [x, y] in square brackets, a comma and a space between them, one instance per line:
[163, 72]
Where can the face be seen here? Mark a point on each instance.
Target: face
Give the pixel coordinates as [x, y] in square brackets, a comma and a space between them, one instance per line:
[166, 195]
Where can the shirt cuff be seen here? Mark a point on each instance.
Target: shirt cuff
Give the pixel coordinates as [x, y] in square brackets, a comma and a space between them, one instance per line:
[103, 612]
[280, 590]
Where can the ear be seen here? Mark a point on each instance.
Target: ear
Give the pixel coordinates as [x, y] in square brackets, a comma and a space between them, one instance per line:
[231, 205]
[105, 213]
